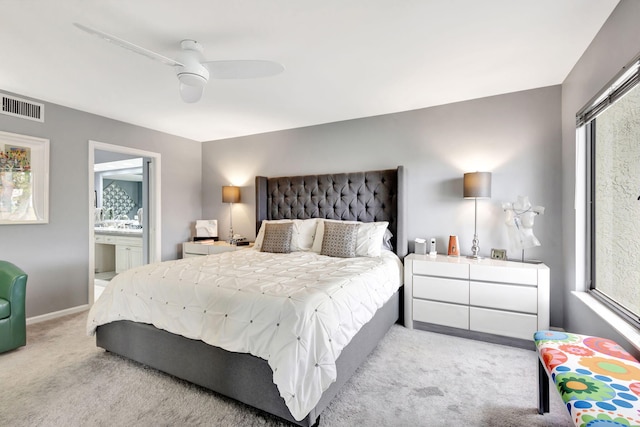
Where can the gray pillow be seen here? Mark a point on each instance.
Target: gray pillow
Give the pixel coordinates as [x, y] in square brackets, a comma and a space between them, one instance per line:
[277, 238]
[339, 239]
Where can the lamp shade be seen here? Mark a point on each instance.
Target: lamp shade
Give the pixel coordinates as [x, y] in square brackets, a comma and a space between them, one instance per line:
[230, 194]
[477, 185]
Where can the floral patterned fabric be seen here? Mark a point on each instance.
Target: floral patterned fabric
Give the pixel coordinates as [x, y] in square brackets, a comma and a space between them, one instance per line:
[597, 379]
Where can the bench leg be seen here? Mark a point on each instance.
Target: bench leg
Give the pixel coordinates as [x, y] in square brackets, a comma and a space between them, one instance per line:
[543, 389]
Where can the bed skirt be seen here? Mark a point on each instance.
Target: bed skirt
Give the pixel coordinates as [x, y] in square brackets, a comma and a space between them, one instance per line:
[241, 376]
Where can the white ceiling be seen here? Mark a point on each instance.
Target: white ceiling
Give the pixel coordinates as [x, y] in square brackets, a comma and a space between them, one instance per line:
[343, 59]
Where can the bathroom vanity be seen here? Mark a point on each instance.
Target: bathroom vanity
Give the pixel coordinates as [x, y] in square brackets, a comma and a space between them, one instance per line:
[117, 249]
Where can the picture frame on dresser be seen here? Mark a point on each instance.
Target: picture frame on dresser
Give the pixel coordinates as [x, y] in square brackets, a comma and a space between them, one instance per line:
[499, 254]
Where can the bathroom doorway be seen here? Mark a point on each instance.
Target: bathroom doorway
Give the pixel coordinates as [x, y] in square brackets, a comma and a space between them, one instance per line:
[124, 226]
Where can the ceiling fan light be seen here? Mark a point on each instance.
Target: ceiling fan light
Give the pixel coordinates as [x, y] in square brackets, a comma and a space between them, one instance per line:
[192, 72]
[191, 94]
[191, 79]
[193, 76]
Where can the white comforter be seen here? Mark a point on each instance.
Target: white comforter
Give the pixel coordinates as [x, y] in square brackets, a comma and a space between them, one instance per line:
[297, 311]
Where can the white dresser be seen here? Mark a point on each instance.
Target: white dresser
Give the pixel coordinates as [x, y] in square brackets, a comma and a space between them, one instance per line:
[208, 247]
[502, 298]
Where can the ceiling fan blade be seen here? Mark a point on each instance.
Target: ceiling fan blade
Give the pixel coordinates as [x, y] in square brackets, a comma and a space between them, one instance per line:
[191, 94]
[127, 45]
[243, 69]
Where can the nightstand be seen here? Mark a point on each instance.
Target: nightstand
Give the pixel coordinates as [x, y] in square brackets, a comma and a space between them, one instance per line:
[482, 299]
[208, 247]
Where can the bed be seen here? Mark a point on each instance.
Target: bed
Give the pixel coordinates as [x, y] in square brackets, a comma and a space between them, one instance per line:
[368, 197]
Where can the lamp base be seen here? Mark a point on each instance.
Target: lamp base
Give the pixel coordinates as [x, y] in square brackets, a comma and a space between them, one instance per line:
[475, 248]
[231, 240]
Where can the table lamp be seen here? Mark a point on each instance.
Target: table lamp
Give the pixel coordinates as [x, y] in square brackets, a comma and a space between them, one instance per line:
[477, 185]
[231, 195]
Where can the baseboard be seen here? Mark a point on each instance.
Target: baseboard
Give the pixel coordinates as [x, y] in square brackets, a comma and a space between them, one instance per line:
[480, 336]
[56, 314]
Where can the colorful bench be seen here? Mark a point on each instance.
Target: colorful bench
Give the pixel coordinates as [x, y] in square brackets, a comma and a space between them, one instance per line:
[597, 379]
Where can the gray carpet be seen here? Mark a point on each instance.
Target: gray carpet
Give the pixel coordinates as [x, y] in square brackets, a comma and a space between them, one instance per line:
[413, 378]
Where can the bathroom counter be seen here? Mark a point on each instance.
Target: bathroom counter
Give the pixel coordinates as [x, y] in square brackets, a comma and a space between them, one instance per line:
[114, 231]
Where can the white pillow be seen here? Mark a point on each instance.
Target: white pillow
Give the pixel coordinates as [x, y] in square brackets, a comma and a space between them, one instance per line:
[304, 231]
[386, 240]
[369, 239]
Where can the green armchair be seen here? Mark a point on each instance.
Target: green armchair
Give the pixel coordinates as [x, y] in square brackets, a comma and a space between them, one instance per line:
[13, 325]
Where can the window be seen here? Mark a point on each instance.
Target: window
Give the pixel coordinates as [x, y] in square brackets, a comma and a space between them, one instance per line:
[611, 126]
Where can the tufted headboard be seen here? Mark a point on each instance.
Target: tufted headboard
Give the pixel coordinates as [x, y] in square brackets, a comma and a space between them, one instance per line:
[357, 196]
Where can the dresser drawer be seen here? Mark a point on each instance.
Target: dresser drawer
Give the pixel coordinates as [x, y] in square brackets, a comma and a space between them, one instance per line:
[208, 248]
[515, 325]
[198, 249]
[218, 249]
[456, 316]
[439, 289]
[105, 239]
[504, 297]
[129, 241]
[451, 269]
[521, 275]
[191, 255]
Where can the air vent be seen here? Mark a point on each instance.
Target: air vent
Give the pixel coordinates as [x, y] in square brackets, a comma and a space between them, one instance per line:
[18, 107]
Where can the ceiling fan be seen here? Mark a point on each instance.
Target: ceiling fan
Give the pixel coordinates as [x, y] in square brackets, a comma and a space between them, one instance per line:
[191, 68]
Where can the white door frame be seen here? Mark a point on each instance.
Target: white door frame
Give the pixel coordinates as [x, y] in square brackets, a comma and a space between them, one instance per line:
[153, 210]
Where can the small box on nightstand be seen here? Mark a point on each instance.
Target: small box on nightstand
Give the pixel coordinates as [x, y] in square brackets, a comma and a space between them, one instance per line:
[421, 246]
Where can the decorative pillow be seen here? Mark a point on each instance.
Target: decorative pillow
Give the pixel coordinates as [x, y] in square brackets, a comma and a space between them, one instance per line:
[277, 238]
[369, 241]
[303, 233]
[260, 237]
[339, 240]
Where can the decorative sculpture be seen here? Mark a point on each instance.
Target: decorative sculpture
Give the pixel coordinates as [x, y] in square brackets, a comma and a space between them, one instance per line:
[520, 217]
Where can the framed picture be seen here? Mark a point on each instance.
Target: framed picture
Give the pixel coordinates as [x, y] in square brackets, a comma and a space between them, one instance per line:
[499, 254]
[24, 179]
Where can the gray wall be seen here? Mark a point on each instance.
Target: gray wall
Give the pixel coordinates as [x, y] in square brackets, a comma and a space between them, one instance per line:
[515, 136]
[617, 43]
[55, 255]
